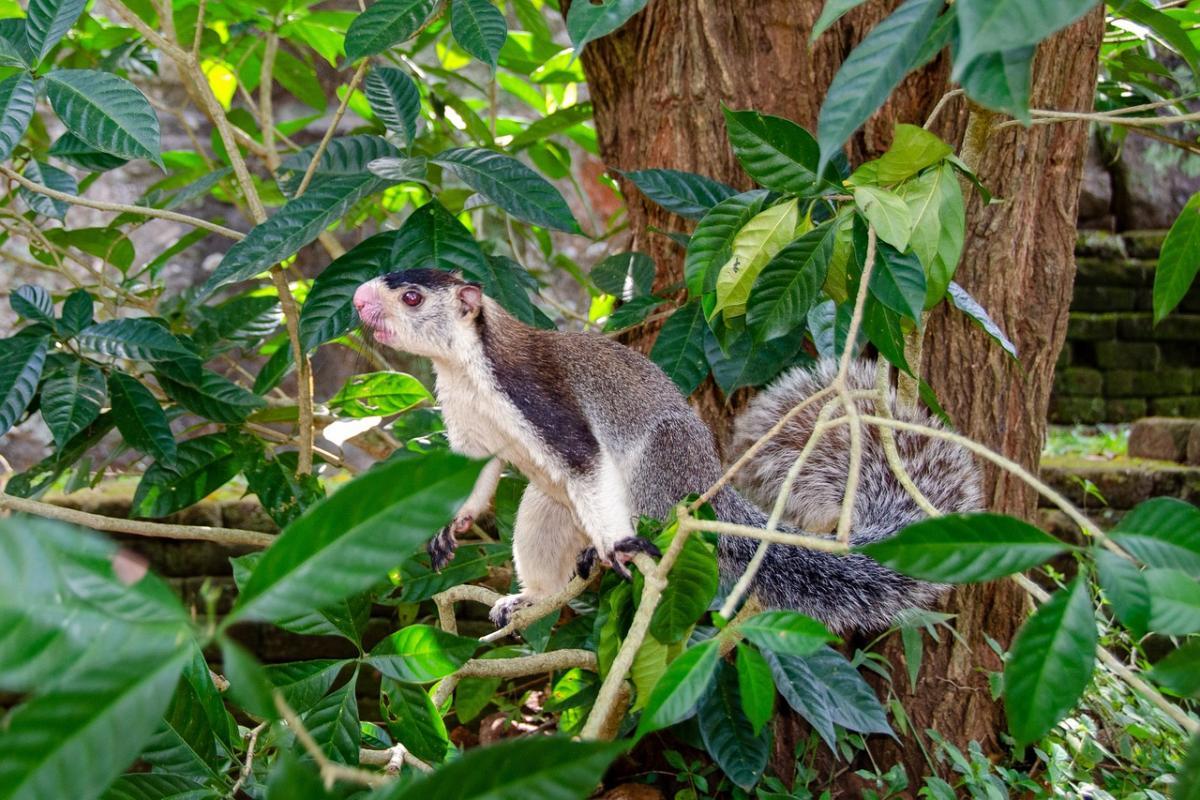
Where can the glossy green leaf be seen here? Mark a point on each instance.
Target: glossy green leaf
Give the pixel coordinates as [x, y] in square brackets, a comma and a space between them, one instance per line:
[1179, 671]
[433, 238]
[883, 329]
[987, 26]
[105, 111]
[1001, 80]
[76, 312]
[304, 683]
[1126, 588]
[712, 241]
[47, 21]
[384, 24]
[625, 275]
[414, 721]
[729, 736]
[328, 310]
[913, 149]
[965, 548]
[296, 224]
[184, 743]
[744, 362]
[140, 418]
[831, 12]
[402, 170]
[157, 786]
[201, 466]
[379, 394]
[632, 312]
[589, 21]
[827, 690]
[1162, 532]
[684, 193]
[347, 542]
[935, 203]
[140, 339]
[542, 767]
[73, 150]
[421, 653]
[1178, 262]
[343, 155]
[17, 101]
[1174, 602]
[333, 723]
[754, 245]
[786, 632]
[1165, 27]
[14, 46]
[681, 687]
[776, 152]
[887, 212]
[691, 586]
[51, 177]
[479, 28]
[756, 687]
[789, 284]
[679, 348]
[967, 304]
[72, 396]
[898, 281]
[511, 185]
[284, 494]
[395, 99]
[346, 618]
[1050, 663]
[244, 320]
[21, 362]
[649, 664]
[508, 283]
[206, 393]
[33, 303]
[872, 70]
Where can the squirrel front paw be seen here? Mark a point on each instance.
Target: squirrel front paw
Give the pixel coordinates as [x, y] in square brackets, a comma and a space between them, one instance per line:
[441, 547]
[618, 556]
[505, 607]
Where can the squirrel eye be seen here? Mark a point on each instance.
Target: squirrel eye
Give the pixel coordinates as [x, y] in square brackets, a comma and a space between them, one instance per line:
[412, 298]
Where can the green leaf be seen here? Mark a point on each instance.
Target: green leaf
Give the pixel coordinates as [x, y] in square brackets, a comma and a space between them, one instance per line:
[14, 47]
[789, 284]
[545, 767]
[681, 687]
[871, 72]
[691, 586]
[1178, 261]
[76, 312]
[1174, 602]
[33, 303]
[17, 101]
[978, 314]
[304, 683]
[346, 618]
[284, 494]
[243, 320]
[898, 281]
[402, 170]
[1165, 27]
[395, 99]
[887, 212]
[421, 653]
[76, 739]
[684, 193]
[206, 393]
[730, 738]
[1050, 663]
[140, 418]
[913, 149]
[328, 310]
[54, 178]
[1125, 587]
[511, 185]
[987, 26]
[589, 21]
[343, 155]
[184, 742]
[379, 394]
[201, 466]
[507, 282]
[333, 723]
[753, 246]
[21, 362]
[344, 544]
[831, 12]
[786, 632]
[625, 275]
[139, 339]
[157, 786]
[745, 362]
[433, 238]
[1180, 670]
[776, 152]
[105, 111]
[756, 686]
[1162, 532]
[712, 241]
[47, 21]
[649, 664]
[413, 719]
[296, 224]
[679, 348]
[249, 686]
[563, 119]
[965, 548]
[883, 329]
[479, 28]
[385, 24]
[1001, 81]
[826, 689]
[72, 396]
[935, 202]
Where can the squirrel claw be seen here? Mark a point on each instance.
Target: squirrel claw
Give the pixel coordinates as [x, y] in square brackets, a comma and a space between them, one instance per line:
[505, 607]
[623, 552]
[586, 562]
[441, 548]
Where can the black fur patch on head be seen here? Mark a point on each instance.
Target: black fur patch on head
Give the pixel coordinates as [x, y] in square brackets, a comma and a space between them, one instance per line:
[426, 278]
[526, 367]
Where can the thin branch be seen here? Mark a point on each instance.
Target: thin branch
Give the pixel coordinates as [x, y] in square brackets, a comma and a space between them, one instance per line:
[120, 208]
[778, 537]
[391, 759]
[941, 104]
[160, 530]
[330, 771]
[250, 745]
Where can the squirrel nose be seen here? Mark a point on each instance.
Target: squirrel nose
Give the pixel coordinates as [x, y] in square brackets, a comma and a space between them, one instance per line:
[362, 296]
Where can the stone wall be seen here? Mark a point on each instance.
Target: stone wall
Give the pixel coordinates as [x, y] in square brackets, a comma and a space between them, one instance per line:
[1117, 365]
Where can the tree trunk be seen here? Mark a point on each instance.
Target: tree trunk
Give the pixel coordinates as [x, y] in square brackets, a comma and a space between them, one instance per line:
[658, 84]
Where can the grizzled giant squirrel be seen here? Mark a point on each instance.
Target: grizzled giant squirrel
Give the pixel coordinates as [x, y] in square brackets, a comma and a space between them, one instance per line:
[604, 436]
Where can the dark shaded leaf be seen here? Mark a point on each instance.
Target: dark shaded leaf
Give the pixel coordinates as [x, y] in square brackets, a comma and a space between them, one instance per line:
[479, 28]
[328, 311]
[47, 21]
[684, 193]
[789, 284]
[21, 362]
[679, 349]
[105, 111]
[140, 339]
[72, 396]
[728, 734]
[201, 466]
[1126, 589]
[511, 185]
[1162, 532]
[395, 99]
[17, 100]
[140, 418]
[385, 24]
[776, 152]
[51, 177]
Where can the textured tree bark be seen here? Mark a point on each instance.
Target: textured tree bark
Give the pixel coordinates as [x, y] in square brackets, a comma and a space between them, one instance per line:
[658, 84]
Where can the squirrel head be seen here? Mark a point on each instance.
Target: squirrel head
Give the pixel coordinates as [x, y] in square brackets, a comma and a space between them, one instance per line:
[426, 312]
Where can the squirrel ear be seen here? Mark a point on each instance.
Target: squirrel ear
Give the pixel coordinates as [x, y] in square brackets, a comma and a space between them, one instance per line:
[470, 298]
